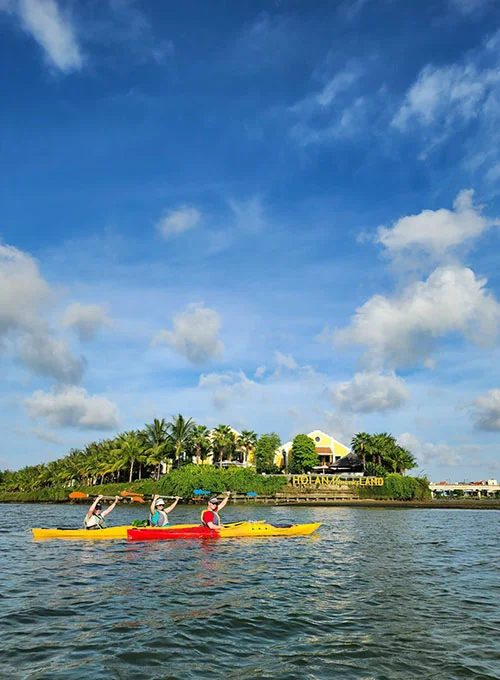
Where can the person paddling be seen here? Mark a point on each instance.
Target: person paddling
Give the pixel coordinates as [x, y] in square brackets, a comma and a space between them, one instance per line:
[159, 516]
[210, 517]
[95, 516]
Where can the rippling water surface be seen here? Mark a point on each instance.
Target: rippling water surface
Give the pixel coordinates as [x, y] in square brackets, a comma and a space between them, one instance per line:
[375, 594]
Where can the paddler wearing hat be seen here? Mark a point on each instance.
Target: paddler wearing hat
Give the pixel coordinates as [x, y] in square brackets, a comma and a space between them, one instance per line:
[95, 516]
[159, 516]
[210, 516]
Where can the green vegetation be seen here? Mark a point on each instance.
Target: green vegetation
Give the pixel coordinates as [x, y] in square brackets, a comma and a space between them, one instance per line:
[180, 482]
[399, 488]
[133, 456]
[264, 452]
[303, 455]
[381, 454]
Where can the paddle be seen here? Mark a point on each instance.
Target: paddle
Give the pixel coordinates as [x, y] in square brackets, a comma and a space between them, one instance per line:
[79, 495]
[141, 497]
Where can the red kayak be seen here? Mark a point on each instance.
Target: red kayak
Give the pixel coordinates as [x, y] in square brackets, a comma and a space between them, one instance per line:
[234, 530]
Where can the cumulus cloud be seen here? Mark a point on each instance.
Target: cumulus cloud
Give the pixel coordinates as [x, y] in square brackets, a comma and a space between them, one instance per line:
[439, 454]
[24, 295]
[284, 361]
[369, 392]
[402, 330]
[195, 334]
[227, 387]
[52, 29]
[48, 356]
[85, 319]
[486, 411]
[70, 406]
[23, 292]
[435, 231]
[173, 223]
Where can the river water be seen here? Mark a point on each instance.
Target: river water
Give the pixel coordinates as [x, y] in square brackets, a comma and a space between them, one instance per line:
[379, 594]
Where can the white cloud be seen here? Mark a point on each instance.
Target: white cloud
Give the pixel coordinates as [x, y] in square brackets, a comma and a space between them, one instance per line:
[446, 94]
[53, 31]
[23, 296]
[284, 361]
[49, 356]
[86, 319]
[486, 411]
[73, 407]
[23, 292]
[338, 84]
[195, 334]
[333, 112]
[436, 231]
[369, 392]
[427, 453]
[260, 372]
[173, 223]
[227, 387]
[400, 331]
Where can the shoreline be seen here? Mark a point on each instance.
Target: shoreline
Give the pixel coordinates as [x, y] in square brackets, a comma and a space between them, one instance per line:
[455, 504]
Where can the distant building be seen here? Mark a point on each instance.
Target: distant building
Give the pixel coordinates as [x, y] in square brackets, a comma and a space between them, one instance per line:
[329, 450]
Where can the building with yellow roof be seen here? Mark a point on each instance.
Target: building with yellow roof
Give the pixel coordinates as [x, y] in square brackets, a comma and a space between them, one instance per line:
[329, 450]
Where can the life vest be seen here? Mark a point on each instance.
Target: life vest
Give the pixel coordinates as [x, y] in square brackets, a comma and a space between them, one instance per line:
[215, 520]
[159, 518]
[95, 522]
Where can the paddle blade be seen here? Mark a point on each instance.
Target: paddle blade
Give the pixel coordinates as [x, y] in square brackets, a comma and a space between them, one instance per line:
[78, 494]
[128, 494]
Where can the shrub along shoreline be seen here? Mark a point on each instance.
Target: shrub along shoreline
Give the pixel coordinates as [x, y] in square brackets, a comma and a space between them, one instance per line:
[397, 489]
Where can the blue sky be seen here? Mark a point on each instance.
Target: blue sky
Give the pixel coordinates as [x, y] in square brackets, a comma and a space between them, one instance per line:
[277, 215]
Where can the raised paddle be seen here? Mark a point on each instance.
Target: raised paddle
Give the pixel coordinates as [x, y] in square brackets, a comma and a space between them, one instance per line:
[141, 497]
[80, 495]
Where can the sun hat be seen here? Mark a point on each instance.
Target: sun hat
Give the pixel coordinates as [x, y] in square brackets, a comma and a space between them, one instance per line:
[159, 501]
[214, 501]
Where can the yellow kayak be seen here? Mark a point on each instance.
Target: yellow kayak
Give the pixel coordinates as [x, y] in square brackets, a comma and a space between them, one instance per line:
[236, 530]
[92, 534]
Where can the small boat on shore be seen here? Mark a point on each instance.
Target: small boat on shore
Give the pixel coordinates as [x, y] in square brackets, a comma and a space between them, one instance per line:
[235, 530]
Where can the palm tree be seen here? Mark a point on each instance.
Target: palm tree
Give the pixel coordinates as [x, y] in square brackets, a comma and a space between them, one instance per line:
[401, 459]
[200, 443]
[156, 443]
[128, 449]
[180, 433]
[223, 443]
[361, 444]
[382, 446]
[247, 441]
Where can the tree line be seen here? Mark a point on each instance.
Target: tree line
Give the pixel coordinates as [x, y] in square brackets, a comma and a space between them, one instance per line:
[381, 454]
[142, 454]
